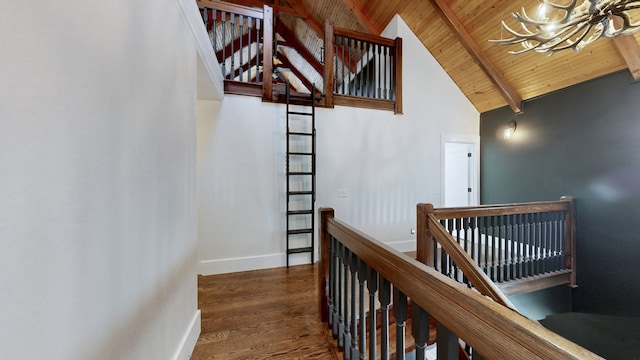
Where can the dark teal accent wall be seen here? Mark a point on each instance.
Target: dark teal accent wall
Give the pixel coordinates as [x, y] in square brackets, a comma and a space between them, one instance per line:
[583, 141]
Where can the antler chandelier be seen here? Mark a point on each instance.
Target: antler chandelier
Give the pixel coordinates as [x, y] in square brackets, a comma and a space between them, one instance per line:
[570, 26]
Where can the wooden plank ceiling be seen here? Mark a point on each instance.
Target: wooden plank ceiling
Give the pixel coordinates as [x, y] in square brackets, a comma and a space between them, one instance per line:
[456, 32]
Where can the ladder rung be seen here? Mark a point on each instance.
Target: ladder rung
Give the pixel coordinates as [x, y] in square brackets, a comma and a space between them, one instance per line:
[300, 173]
[299, 231]
[300, 193]
[299, 212]
[299, 113]
[300, 250]
[300, 133]
[300, 153]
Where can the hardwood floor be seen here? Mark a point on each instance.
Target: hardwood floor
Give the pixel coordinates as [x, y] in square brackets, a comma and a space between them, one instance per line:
[265, 314]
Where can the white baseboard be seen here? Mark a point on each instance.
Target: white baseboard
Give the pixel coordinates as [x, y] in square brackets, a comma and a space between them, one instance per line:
[224, 266]
[188, 343]
[404, 246]
[260, 262]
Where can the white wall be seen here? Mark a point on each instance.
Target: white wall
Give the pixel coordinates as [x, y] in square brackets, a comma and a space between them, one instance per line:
[98, 245]
[387, 163]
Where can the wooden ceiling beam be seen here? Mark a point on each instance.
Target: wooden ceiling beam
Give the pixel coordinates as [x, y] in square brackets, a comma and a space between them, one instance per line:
[302, 12]
[510, 95]
[630, 50]
[291, 39]
[362, 19]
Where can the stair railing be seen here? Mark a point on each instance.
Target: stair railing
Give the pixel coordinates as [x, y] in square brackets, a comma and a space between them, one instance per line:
[362, 70]
[242, 39]
[514, 247]
[356, 270]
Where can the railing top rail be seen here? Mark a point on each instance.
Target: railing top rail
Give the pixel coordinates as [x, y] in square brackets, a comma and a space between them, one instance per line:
[490, 328]
[364, 36]
[236, 9]
[504, 209]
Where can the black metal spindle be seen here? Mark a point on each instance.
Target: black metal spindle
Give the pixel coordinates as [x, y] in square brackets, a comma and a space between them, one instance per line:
[419, 330]
[392, 75]
[520, 243]
[372, 287]
[362, 65]
[349, 308]
[370, 69]
[536, 246]
[337, 64]
[249, 45]
[362, 334]
[484, 239]
[474, 247]
[353, 354]
[343, 66]
[258, 37]
[241, 49]
[447, 343]
[378, 65]
[400, 312]
[223, 20]
[466, 227]
[348, 61]
[332, 279]
[512, 250]
[341, 296]
[500, 249]
[385, 90]
[233, 50]
[384, 297]
[546, 227]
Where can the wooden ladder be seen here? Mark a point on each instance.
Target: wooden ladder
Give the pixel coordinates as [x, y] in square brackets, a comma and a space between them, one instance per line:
[300, 173]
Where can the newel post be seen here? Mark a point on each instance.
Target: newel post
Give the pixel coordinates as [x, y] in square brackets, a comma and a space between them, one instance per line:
[398, 76]
[329, 51]
[267, 49]
[570, 239]
[424, 239]
[323, 264]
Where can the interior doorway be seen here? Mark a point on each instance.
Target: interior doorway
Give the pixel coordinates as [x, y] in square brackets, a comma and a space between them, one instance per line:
[459, 183]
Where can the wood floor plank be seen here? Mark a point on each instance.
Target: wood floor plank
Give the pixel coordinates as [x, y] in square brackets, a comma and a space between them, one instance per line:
[266, 314]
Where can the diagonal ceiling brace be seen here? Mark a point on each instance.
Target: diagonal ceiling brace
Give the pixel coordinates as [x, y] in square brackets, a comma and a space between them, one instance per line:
[291, 39]
[362, 19]
[510, 95]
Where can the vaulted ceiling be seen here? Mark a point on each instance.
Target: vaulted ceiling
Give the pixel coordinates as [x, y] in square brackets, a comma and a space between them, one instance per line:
[457, 33]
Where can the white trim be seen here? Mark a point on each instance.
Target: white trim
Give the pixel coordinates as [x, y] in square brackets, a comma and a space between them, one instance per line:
[210, 81]
[188, 343]
[261, 262]
[223, 266]
[403, 246]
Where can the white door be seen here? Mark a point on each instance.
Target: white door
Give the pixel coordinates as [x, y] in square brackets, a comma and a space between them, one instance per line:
[458, 174]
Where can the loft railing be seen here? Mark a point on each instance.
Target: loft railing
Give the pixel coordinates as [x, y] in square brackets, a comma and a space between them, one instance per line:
[358, 273]
[518, 247]
[362, 70]
[242, 39]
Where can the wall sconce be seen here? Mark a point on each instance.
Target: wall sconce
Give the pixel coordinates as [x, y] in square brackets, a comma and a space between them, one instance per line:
[510, 129]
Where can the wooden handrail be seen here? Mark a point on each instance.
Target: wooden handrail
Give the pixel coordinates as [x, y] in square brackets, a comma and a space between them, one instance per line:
[232, 8]
[491, 329]
[564, 204]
